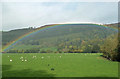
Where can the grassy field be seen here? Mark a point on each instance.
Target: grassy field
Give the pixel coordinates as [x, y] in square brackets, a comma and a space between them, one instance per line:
[58, 65]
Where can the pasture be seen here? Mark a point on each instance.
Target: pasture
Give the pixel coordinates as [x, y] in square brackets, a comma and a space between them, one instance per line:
[57, 65]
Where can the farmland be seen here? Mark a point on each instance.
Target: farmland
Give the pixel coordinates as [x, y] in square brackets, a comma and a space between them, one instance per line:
[58, 65]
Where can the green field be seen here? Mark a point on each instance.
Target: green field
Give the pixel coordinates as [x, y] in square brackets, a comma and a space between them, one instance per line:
[68, 65]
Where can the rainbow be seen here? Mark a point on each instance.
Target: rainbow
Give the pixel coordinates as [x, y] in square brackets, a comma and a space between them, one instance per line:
[10, 44]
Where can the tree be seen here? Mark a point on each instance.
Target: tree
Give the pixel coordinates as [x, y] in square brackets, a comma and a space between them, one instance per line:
[110, 47]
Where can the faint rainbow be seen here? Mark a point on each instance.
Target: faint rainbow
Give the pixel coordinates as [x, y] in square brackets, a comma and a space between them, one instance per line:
[9, 45]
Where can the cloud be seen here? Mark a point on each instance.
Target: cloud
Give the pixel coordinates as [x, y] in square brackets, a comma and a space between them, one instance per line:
[25, 14]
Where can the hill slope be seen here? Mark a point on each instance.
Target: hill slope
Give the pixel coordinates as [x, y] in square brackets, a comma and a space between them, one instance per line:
[61, 37]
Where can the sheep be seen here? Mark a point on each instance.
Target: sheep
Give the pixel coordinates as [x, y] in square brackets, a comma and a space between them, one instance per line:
[60, 56]
[25, 60]
[21, 57]
[42, 57]
[34, 56]
[10, 60]
[22, 60]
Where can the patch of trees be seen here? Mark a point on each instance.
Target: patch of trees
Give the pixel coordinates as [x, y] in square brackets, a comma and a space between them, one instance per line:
[35, 50]
[23, 51]
[110, 48]
[81, 46]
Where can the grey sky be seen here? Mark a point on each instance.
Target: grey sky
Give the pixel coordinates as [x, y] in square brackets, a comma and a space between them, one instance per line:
[34, 14]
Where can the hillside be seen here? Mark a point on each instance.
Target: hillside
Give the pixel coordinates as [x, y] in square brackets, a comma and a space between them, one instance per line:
[8, 36]
[61, 37]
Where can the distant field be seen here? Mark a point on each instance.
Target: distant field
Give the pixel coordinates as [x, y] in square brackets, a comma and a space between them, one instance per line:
[58, 65]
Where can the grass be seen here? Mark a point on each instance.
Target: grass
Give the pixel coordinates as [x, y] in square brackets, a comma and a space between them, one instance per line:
[69, 65]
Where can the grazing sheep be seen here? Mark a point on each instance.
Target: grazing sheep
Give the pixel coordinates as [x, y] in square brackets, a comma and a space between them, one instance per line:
[25, 60]
[21, 57]
[60, 56]
[33, 57]
[10, 60]
[22, 60]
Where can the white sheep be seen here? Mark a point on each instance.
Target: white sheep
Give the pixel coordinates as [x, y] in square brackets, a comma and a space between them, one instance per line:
[25, 60]
[22, 60]
[21, 57]
[34, 56]
[10, 60]
[60, 56]
[42, 57]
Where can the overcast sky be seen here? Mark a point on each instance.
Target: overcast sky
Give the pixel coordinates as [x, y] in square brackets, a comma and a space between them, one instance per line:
[17, 15]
